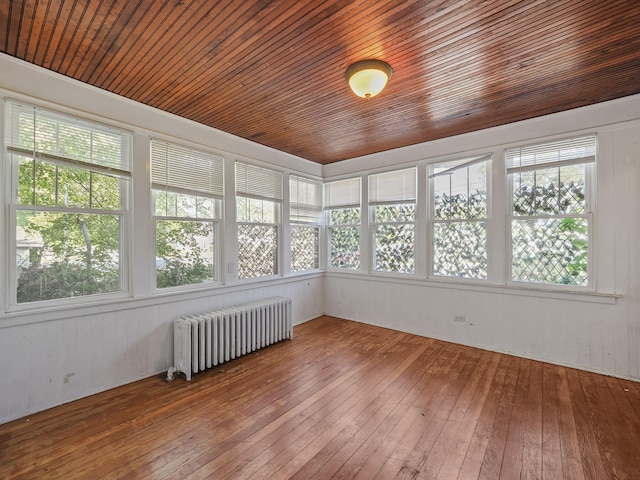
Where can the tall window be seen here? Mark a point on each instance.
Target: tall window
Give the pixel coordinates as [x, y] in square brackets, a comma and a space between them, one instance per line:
[550, 211]
[459, 218]
[342, 204]
[259, 203]
[70, 182]
[305, 218]
[187, 187]
[392, 204]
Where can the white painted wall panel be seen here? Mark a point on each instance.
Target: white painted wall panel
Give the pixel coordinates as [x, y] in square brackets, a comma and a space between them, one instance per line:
[591, 333]
[53, 362]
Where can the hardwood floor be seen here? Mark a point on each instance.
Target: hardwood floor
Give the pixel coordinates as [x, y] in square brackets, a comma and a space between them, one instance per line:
[343, 400]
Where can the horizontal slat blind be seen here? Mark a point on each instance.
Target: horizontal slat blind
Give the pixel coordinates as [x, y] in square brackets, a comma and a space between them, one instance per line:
[54, 136]
[306, 200]
[342, 193]
[185, 170]
[447, 168]
[258, 182]
[398, 186]
[561, 152]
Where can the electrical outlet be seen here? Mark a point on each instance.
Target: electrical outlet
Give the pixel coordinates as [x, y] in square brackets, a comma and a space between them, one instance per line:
[460, 318]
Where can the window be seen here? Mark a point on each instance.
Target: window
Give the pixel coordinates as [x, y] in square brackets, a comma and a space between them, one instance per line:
[550, 211]
[392, 205]
[187, 187]
[342, 204]
[459, 218]
[259, 200]
[305, 219]
[70, 182]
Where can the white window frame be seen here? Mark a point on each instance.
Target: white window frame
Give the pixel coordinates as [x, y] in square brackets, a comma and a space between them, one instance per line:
[448, 167]
[120, 168]
[338, 195]
[180, 169]
[394, 187]
[513, 166]
[257, 183]
[305, 211]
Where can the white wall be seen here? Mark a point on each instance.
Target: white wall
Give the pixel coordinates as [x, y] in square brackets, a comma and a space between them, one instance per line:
[598, 331]
[54, 355]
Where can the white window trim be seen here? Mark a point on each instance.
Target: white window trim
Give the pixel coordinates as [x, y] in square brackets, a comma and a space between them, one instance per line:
[590, 205]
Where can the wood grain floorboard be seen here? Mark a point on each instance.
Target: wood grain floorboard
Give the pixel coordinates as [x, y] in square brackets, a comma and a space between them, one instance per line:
[342, 400]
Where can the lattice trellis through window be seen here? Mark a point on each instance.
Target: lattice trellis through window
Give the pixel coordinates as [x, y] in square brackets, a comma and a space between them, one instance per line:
[257, 250]
[550, 250]
[394, 248]
[304, 248]
[460, 249]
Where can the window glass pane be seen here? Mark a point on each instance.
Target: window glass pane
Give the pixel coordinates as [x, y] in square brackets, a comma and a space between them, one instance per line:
[304, 248]
[461, 193]
[546, 192]
[523, 192]
[205, 207]
[572, 189]
[185, 205]
[344, 247]
[395, 213]
[45, 193]
[165, 203]
[242, 209]
[394, 247]
[257, 250]
[442, 201]
[60, 255]
[106, 192]
[257, 211]
[25, 181]
[477, 190]
[184, 253]
[550, 191]
[460, 249]
[551, 250]
[73, 187]
[344, 216]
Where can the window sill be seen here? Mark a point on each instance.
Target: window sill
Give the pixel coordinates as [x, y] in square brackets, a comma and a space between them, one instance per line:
[38, 314]
[475, 286]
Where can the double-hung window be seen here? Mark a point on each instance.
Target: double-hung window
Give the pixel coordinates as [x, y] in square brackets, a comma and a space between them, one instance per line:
[342, 206]
[187, 187]
[258, 206]
[70, 186]
[459, 218]
[550, 211]
[305, 217]
[392, 205]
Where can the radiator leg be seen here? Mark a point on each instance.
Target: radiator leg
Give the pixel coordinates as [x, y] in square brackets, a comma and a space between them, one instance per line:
[171, 374]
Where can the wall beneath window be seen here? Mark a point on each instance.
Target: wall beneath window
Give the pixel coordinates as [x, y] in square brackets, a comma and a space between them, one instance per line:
[55, 355]
[599, 333]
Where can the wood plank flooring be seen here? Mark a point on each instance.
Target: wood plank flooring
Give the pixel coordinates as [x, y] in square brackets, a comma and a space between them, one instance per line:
[343, 400]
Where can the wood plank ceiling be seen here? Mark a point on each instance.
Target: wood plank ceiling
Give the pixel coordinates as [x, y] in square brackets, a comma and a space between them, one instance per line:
[273, 71]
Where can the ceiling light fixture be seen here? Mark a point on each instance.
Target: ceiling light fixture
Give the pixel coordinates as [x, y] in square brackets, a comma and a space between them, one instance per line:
[367, 78]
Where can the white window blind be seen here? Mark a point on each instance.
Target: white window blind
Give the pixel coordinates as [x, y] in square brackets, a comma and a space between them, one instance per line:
[447, 168]
[258, 182]
[342, 193]
[398, 186]
[62, 139]
[559, 153]
[184, 170]
[306, 200]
